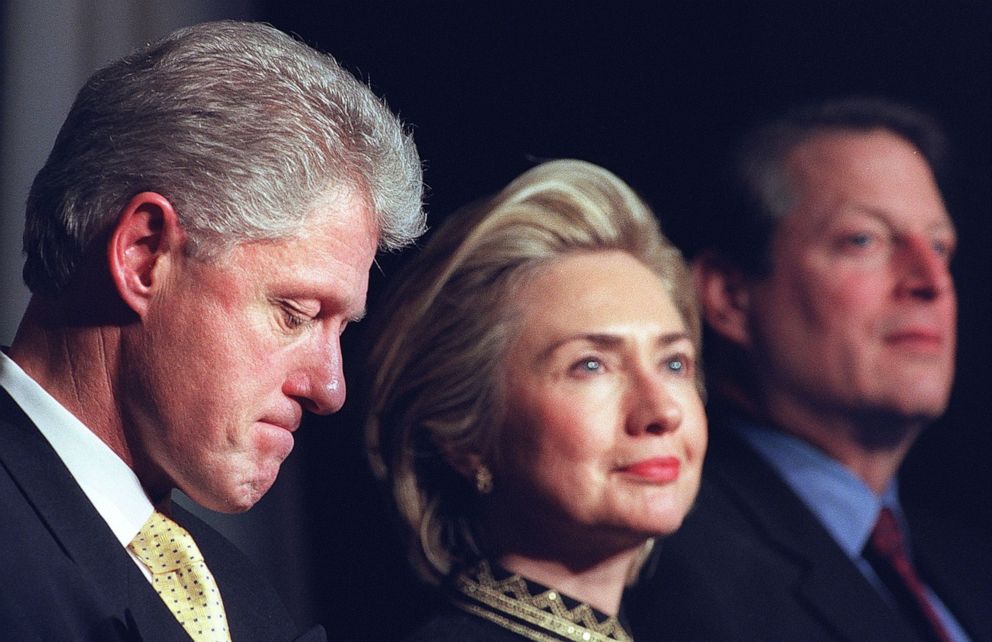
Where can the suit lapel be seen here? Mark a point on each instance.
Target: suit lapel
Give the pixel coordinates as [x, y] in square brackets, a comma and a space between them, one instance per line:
[77, 527]
[827, 583]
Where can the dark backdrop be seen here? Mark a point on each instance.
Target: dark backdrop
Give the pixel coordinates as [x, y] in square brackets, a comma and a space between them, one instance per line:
[654, 94]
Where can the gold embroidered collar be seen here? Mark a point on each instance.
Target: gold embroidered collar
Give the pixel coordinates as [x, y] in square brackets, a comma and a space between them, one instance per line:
[531, 611]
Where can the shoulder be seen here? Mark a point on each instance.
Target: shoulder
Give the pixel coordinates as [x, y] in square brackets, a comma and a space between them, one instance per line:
[732, 570]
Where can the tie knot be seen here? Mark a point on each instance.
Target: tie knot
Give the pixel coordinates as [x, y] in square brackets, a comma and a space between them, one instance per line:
[164, 546]
[887, 535]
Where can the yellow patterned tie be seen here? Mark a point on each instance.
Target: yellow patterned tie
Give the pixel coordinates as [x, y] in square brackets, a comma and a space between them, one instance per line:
[181, 578]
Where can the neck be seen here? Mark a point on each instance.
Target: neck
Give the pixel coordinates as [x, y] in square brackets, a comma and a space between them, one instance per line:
[74, 362]
[600, 584]
[872, 445]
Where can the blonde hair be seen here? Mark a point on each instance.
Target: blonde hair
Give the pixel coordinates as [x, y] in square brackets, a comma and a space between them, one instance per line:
[436, 394]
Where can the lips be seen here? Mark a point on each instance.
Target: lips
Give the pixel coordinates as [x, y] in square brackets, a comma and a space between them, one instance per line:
[916, 338]
[287, 421]
[655, 469]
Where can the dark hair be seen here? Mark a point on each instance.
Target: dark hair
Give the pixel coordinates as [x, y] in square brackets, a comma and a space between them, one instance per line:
[756, 193]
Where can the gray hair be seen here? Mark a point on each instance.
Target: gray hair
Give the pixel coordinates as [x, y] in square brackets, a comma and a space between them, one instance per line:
[242, 128]
[438, 363]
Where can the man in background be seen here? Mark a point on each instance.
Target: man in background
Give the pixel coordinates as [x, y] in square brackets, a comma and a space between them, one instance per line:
[196, 243]
[831, 312]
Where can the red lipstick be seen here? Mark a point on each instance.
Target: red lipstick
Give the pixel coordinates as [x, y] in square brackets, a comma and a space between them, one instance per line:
[656, 469]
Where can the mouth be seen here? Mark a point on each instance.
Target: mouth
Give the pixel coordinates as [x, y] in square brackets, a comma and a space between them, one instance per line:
[289, 422]
[277, 436]
[658, 470]
[291, 428]
[917, 339]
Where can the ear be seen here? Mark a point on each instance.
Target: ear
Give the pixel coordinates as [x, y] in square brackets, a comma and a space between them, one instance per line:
[723, 296]
[464, 463]
[143, 246]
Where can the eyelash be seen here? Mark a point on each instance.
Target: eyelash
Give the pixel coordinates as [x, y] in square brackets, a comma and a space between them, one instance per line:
[292, 318]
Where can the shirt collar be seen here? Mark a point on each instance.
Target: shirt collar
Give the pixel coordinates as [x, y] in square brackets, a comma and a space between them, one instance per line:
[107, 481]
[842, 502]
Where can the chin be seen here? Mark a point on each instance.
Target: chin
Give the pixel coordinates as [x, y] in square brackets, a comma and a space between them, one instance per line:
[923, 408]
[659, 525]
[233, 499]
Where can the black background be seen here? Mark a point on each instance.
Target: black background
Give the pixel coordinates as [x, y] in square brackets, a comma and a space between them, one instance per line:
[653, 92]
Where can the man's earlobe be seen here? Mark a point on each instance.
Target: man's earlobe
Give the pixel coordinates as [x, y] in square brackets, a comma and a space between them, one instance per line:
[723, 297]
[145, 241]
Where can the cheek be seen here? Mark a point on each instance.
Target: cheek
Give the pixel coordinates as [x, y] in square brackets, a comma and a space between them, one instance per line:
[696, 430]
[558, 432]
[841, 291]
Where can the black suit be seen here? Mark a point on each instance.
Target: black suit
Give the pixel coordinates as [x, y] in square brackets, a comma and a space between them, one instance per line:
[66, 576]
[751, 562]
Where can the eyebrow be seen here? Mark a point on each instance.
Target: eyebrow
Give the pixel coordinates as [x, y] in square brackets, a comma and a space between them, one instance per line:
[946, 225]
[608, 341]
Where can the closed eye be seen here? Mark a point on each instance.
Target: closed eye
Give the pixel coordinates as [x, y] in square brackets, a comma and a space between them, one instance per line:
[293, 320]
[291, 316]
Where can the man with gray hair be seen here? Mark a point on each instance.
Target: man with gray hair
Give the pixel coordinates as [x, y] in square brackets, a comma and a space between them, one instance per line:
[197, 241]
[831, 312]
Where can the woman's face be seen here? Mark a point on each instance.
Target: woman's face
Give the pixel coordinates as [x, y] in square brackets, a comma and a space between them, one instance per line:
[605, 430]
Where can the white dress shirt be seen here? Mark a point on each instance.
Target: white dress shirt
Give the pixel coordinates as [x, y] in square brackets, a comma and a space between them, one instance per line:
[107, 481]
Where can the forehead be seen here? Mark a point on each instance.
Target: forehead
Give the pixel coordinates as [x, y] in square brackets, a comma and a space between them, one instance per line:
[596, 290]
[876, 173]
[333, 249]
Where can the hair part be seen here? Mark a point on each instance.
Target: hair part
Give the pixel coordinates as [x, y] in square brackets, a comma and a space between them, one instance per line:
[437, 396]
[242, 128]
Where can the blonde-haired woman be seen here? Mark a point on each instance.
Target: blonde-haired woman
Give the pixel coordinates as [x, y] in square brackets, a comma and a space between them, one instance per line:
[536, 408]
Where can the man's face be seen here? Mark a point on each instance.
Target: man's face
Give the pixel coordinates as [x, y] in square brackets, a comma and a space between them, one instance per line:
[232, 351]
[858, 314]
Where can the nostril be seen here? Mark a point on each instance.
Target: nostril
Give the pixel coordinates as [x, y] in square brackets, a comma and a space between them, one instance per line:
[655, 428]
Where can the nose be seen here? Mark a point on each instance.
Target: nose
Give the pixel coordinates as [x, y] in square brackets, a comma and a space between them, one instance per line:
[318, 381]
[653, 408]
[925, 273]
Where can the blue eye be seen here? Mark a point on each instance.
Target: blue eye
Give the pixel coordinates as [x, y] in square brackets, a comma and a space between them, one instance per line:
[943, 248]
[860, 240]
[588, 366]
[679, 364]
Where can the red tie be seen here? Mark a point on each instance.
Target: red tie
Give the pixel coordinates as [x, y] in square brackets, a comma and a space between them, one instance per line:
[894, 568]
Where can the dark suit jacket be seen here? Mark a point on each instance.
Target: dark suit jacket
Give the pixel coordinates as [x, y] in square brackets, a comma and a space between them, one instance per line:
[66, 577]
[751, 562]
